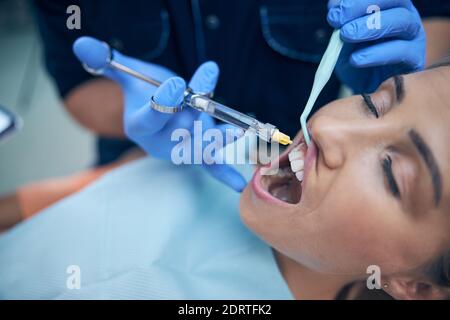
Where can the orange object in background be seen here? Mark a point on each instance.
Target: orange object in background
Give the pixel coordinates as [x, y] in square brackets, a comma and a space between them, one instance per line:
[37, 196]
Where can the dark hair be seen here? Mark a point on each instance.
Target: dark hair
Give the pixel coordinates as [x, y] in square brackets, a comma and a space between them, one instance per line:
[439, 270]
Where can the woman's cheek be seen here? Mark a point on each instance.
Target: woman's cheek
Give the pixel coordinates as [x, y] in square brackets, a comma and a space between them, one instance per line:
[348, 234]
[245, 207]
[370, 222]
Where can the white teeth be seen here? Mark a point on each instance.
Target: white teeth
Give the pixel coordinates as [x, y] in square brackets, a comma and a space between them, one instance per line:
[266, 171]
[296, 157]
[297, 165]
[295, 154]
[299, 175]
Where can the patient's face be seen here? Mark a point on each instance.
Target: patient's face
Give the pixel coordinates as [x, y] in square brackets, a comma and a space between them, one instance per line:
[376, 190]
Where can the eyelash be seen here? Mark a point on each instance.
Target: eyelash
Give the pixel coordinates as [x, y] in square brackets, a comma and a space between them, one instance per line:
[387, 162]
[370, 105]
[387, 168]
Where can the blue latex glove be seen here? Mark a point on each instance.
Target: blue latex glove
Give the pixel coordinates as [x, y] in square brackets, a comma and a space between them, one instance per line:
[372, 55]
[152, 130]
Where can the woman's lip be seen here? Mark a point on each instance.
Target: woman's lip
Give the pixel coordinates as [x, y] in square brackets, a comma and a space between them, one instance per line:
[256, 185]
[310, 159]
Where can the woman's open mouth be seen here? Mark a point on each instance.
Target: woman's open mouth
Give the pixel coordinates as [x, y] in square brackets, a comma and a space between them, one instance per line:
[282, 182]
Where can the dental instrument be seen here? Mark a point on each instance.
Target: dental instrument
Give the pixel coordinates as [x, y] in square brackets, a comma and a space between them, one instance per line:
[10, 124]
[323, 74]
[198, 101]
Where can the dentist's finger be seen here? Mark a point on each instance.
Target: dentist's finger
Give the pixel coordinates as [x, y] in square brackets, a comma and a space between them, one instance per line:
[205, 78]
[92, 52]
[146, 120]
[223, 172]
[388, 53]
[347, 10]
[333, 3]
[227, 175]
[203, 81]
[215, 139]
[96, 55]
[397, 23]
[230, 133]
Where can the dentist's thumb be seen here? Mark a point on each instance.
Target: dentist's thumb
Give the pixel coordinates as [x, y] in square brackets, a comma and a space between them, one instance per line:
[95, 55]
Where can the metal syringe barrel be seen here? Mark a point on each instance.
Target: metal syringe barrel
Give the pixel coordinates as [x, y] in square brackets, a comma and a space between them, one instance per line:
[228, 115]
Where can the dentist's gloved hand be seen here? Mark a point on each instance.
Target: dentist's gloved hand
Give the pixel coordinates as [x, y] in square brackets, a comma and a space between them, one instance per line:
[152, 130]
[372, 55]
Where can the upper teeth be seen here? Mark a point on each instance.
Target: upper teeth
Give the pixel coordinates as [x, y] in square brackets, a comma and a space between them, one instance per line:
[296, 157]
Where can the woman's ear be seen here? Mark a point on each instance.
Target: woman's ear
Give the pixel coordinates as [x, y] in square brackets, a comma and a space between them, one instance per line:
[413, 288]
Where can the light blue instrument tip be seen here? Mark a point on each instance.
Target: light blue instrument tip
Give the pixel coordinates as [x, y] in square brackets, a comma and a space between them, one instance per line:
[323, 74]
[93, 53]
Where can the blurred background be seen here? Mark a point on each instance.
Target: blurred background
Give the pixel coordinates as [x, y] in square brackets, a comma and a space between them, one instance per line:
[50, 143]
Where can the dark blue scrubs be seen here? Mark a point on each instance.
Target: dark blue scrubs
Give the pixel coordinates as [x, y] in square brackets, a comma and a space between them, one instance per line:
[267, 50]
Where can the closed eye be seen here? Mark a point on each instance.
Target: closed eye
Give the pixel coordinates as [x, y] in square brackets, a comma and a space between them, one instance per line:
[370, 105]
[392, 183]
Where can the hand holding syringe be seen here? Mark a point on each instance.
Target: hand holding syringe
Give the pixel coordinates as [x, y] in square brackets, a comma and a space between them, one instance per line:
[96, 64]
[160, 134]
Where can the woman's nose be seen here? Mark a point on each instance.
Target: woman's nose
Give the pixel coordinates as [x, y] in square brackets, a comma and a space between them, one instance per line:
[331, 136]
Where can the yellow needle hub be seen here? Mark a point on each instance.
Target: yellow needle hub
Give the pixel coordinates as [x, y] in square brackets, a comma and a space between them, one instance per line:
[281, 138]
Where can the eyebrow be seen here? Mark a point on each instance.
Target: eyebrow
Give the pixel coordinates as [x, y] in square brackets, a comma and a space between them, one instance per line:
[399, 84]
[430, 161]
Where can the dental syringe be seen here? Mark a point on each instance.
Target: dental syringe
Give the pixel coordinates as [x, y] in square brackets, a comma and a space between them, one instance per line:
[103, 58]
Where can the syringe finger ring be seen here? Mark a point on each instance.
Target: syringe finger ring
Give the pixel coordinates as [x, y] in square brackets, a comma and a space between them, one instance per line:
[164, 109]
